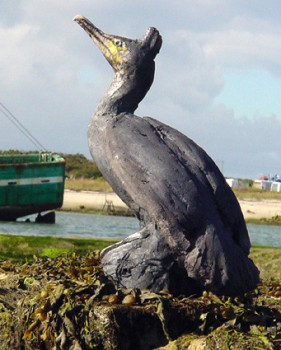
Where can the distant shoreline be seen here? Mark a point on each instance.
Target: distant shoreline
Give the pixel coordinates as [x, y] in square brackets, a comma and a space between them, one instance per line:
[89, 200]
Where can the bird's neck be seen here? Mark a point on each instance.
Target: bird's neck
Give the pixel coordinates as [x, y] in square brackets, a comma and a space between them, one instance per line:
[125, 92]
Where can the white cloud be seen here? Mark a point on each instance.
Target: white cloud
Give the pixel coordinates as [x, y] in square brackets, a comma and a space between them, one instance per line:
[52, 75]
[245, 42]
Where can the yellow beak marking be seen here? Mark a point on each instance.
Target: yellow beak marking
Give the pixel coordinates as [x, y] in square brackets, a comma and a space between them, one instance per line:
[114, 50]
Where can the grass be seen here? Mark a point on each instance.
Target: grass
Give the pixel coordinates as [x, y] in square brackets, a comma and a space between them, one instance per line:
[22, 248]
[98, 185]
[268, 261]
[115, 212]
[256, 194]
[275, 220]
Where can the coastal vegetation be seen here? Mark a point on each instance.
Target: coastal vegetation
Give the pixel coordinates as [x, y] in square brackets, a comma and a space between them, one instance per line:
[256, 194]
[274, 221]
[82, 184]
[25, 248]
[77, 166]
[55, 296]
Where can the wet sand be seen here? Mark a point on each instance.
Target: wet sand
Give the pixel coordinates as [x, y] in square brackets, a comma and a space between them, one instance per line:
[98, 200]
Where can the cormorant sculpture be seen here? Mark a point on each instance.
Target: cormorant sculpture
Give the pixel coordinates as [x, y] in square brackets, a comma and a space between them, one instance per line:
[192, 232]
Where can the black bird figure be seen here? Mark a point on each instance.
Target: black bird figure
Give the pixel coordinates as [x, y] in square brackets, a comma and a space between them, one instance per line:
[192, 232]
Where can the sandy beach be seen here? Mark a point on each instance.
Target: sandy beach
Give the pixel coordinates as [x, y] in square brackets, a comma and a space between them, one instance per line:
[260, 208]
[97, 200]
[91, 200]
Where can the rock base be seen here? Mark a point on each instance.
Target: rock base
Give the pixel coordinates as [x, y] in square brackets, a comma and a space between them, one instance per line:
[212, 263]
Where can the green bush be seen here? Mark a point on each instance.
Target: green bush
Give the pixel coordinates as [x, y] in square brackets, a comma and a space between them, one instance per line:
[77, 165]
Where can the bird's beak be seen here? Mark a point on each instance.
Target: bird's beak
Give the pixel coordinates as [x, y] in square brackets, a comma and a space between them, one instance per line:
[101, 39]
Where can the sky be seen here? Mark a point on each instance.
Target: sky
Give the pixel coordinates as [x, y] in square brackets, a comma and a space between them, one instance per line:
[217, 79]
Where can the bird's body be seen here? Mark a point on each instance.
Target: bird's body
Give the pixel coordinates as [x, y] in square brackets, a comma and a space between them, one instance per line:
[177, 192]
[150, 165]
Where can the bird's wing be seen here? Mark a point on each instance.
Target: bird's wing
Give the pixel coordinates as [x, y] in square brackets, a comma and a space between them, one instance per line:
[189, 152]
[148, 175]
[165, 175]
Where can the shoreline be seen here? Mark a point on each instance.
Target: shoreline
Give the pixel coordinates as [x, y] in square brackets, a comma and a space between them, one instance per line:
[90, 200]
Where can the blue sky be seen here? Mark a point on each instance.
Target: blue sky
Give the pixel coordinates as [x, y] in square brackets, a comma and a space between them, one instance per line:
[217, 75]
[251, 92]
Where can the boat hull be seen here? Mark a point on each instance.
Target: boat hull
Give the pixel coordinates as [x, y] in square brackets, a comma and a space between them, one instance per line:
[30, 184]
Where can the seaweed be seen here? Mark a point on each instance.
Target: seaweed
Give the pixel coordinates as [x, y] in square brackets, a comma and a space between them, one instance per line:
[68, 302]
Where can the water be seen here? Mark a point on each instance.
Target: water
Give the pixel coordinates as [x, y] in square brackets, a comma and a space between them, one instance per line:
[74, 225]
[265, 235]
[99, 226]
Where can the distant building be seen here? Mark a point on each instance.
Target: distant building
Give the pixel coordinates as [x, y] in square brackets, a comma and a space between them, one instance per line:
[268, 183]
[275, 186]
[236, 183]
[264, 185]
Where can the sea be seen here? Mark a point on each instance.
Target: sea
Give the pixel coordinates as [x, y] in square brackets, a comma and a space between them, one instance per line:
[76, 225]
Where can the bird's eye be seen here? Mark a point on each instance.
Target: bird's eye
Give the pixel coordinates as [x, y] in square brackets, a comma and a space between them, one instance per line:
[118, 43]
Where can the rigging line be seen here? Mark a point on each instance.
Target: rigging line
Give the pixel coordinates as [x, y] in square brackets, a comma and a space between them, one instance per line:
[22, 131]
[21, 127]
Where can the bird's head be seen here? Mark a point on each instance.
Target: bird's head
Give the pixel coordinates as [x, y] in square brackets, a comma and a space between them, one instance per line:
[123, 54]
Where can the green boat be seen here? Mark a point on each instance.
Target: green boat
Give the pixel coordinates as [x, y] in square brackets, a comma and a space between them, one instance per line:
[30, 184]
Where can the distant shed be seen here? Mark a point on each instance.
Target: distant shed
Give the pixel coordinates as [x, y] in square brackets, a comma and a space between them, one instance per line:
[233, 183]
[264, 185]
[236, 183]
[276, 186]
